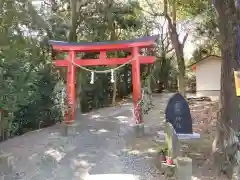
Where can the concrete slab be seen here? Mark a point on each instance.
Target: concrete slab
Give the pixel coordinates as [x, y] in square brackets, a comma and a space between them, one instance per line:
[192, 136]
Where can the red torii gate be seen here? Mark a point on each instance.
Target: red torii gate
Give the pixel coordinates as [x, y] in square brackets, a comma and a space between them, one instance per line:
[71, 61]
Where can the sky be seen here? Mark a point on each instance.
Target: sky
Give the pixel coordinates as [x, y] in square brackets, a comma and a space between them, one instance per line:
[189, 46]
[184, 27]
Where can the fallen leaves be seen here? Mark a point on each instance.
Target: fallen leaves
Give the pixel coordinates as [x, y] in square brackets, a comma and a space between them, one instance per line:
[204, 115]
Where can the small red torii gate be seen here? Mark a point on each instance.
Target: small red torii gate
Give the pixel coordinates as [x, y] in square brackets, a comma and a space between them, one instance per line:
[71, 61]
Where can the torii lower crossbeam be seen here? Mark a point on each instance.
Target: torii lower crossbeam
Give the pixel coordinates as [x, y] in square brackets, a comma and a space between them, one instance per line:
[72, 61]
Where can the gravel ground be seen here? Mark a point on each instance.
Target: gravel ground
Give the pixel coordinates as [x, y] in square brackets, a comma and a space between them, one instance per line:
[104, 143]
[103, 147]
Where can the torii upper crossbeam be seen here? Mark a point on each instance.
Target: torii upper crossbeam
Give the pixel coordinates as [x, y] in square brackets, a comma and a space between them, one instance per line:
[71, 61]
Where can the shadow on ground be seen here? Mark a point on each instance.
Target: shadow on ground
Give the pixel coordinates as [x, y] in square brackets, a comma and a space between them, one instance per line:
[104, 147]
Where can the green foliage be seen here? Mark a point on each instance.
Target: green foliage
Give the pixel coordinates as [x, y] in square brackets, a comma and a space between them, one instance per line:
[26, 86]
[207, 31]
[208, 24]
[163, 72]
[31, 91]
[25, 76]
[191, 8]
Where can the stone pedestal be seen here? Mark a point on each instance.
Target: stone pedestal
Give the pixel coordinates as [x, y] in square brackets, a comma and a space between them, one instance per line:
[184, 168]
[6, 162]
[69, 129]
[139, 129]
[181, 137]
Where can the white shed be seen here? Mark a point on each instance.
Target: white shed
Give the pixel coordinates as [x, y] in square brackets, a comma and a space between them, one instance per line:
[208, 76]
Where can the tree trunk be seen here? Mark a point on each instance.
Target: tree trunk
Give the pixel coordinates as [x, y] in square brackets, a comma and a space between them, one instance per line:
[74, 17]
[180, 60]
[177, 45]
[125, 79]
[181, 75]
[149, 78]
[229, 120]
[72, 37]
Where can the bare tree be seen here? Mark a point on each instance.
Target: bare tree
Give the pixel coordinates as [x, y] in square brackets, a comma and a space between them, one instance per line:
[169, 11]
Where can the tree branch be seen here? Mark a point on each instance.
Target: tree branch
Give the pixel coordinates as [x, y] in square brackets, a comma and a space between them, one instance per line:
[151, 8]
[38, 20]
[171, 25]
[150, 13]
[166, 38]
[168, 51]
[185, 39]
[174, 13]
[119, 33]
[73, 20]
[172, 56]
[82, 4]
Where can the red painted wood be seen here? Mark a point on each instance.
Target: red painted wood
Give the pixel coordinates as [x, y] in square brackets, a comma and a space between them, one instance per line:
[133, 46]
[136, 80]
[102, 47]
[103, 55]
[99, 62]
[71, 79]
[194, 67]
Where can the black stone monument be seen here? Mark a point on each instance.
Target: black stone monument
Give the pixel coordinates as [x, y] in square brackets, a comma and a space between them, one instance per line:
[178, 114]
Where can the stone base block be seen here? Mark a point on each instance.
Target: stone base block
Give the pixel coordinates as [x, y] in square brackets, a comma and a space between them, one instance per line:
[184, 168]
[139, 130]
[69, 129]
[181, 137]
[6, 162]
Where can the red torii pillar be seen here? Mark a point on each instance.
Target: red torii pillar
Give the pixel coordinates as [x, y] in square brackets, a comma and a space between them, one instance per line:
[71, 61]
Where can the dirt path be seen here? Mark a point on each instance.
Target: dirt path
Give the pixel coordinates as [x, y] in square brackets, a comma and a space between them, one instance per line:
[104, 144]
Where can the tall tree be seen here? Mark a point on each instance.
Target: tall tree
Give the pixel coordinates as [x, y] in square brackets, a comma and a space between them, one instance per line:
[164, 67]
[170, 11]
[119, 17]
[170, 7]
[97, 24]
[206, 35]
[229, 124]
